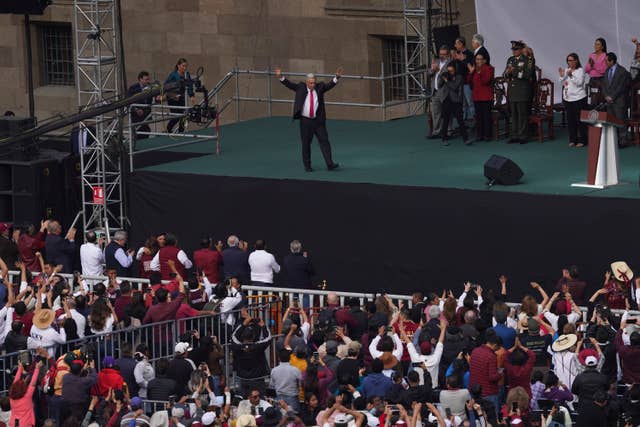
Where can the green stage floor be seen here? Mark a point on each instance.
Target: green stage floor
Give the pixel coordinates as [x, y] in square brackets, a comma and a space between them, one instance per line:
[394, 153]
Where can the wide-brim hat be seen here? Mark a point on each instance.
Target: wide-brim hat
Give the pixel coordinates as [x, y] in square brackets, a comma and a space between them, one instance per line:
[564, 342]
[621, 271]
[516, 44]
[43, 318]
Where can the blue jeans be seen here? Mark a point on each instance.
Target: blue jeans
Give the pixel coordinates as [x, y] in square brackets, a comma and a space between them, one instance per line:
[292, 401]
[496, 402]
[469, 109]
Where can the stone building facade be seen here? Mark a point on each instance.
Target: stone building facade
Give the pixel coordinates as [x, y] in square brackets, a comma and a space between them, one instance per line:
[298, 35]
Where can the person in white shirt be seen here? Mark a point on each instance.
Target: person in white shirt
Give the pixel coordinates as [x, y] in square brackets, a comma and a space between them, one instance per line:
[431, 361]
[263, 265]
[569, 308]
[81, 321]
[230, 297]
[397, 348]
[574, 97]
[43, 334]
[92, 257]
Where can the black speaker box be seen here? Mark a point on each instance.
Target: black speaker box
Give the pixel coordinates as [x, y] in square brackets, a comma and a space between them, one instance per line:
[502, 170]
[21, 7]
[446, 35]
[32, 190]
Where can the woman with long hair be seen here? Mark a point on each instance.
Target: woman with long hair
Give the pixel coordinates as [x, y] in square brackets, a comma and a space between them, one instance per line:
[21, 397]
[177, 97]
[596, 67]
[137, 308]
[574, 97]
[517, 405]
[102, 317]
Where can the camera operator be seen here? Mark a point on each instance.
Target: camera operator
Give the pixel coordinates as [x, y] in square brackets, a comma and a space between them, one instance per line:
[249, 342]
[293, 337]
[177, 98]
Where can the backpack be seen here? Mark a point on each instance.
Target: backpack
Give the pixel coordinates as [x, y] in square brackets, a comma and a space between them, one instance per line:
[327, 319]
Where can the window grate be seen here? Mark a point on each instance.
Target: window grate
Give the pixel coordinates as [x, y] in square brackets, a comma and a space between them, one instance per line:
[394, 63]
[57, 55]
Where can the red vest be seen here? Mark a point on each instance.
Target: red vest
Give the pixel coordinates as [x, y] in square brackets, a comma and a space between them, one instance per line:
[145, 265]
[165, 254]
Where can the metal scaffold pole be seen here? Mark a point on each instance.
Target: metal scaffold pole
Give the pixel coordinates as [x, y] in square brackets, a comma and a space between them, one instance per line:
[98, 83]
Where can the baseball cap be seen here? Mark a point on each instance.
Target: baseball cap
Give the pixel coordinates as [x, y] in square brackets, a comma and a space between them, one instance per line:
[108, 362]
[136, 403]
[182, 347]
[588, 357]
[4, 226]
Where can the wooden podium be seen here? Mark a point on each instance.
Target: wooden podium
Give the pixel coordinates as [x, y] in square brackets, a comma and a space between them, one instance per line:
[602, 163]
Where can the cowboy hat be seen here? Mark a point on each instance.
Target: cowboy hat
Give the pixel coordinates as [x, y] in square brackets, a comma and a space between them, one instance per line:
[43, 318]
[564, 342]
[621, 271]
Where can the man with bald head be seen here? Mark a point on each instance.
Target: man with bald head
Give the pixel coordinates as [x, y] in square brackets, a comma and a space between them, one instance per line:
[309, 108]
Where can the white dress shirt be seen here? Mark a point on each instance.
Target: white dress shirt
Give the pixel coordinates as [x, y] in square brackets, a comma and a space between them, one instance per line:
[573, 87]
[123, 258]
[306, 107]
[91, 259]
[263, 265]
[442, 64]
[182, 257]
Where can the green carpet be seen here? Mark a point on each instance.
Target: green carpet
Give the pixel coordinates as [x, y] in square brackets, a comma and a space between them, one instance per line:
[394, 153]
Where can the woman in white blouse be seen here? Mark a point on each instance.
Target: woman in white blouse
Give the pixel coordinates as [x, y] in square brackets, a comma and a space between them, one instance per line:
[574, 96]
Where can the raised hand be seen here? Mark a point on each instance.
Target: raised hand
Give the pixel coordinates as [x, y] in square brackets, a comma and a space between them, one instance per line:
[278, 72]
[339, 72]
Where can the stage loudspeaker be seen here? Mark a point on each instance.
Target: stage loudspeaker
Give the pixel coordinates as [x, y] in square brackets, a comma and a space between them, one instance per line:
[501, 170]
[31, 191]
[21, 7]
[446, 35]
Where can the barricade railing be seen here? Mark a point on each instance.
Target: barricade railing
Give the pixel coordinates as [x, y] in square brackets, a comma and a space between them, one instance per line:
[160, 338]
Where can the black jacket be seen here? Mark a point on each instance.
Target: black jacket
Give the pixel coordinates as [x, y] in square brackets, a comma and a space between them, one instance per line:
[160, 388]
[15, 342]
[60, 251]
[236, 263]
[299, 271]
[249, 359]
[586, 384]
[180, 370]
[301, 94]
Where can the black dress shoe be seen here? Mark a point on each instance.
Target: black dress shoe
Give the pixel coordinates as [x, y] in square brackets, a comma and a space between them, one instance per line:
[333, 166]
[523, 141]
[512, 141]
[308, 169]
[435, 136]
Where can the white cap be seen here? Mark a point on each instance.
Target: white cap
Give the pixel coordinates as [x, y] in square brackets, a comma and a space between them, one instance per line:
[590, 361]
[208, 418]
[182, 347]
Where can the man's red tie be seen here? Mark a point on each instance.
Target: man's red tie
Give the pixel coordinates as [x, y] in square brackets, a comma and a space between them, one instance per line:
[311, 112]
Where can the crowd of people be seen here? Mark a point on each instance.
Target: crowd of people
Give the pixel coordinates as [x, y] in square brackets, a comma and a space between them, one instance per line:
[463, 82]
[434, 360]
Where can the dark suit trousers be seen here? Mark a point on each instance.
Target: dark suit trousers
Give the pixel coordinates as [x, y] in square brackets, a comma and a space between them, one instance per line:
[519, 119]
[483, 119]
[308, 128]
[576, 127]
[449, 111]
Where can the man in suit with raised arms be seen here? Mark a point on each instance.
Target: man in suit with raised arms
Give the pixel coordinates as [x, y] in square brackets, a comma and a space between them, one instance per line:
[308, 107]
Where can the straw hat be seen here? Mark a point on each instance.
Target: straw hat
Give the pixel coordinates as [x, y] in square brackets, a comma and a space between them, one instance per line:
[621, 271]
[564, 342]
[43, 318]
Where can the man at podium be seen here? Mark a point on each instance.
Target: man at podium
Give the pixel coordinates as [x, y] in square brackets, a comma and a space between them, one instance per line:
[615, 88]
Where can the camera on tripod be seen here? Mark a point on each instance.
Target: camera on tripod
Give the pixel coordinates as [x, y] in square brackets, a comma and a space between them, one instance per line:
[202, 112]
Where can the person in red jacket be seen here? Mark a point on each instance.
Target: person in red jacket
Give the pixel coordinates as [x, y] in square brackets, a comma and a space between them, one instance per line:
[483, 367]
[518, 366]
[208, 259]
[109, 378]
[480, 77]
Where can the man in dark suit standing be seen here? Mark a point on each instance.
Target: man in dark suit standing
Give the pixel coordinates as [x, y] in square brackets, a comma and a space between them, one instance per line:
[615, 88]
[308, 107]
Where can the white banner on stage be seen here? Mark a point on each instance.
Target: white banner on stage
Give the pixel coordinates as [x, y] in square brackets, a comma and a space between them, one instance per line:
[555, 28]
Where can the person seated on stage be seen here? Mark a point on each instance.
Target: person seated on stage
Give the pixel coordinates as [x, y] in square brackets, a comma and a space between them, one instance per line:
[451, 84]
[615, 89]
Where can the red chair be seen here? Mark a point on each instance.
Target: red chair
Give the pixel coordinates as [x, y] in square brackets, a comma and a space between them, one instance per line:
[542, 109]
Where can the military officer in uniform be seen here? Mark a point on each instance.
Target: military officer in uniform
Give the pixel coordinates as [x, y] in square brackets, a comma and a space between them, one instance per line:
[519, 72]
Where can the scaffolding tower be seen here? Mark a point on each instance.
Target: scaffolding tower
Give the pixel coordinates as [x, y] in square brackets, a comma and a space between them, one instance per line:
[420, 18]
[98, 82]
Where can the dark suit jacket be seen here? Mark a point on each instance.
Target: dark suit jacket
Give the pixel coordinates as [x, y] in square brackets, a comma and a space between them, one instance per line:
[236, 263]
[618, 89]
[301, 94]
[60, 251]
[299, 271]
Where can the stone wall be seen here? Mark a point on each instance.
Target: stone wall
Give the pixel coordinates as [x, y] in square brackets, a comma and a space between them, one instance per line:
[300, 35]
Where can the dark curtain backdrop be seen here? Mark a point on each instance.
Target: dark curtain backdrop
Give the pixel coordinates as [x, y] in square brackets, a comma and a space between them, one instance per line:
[365, 237]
